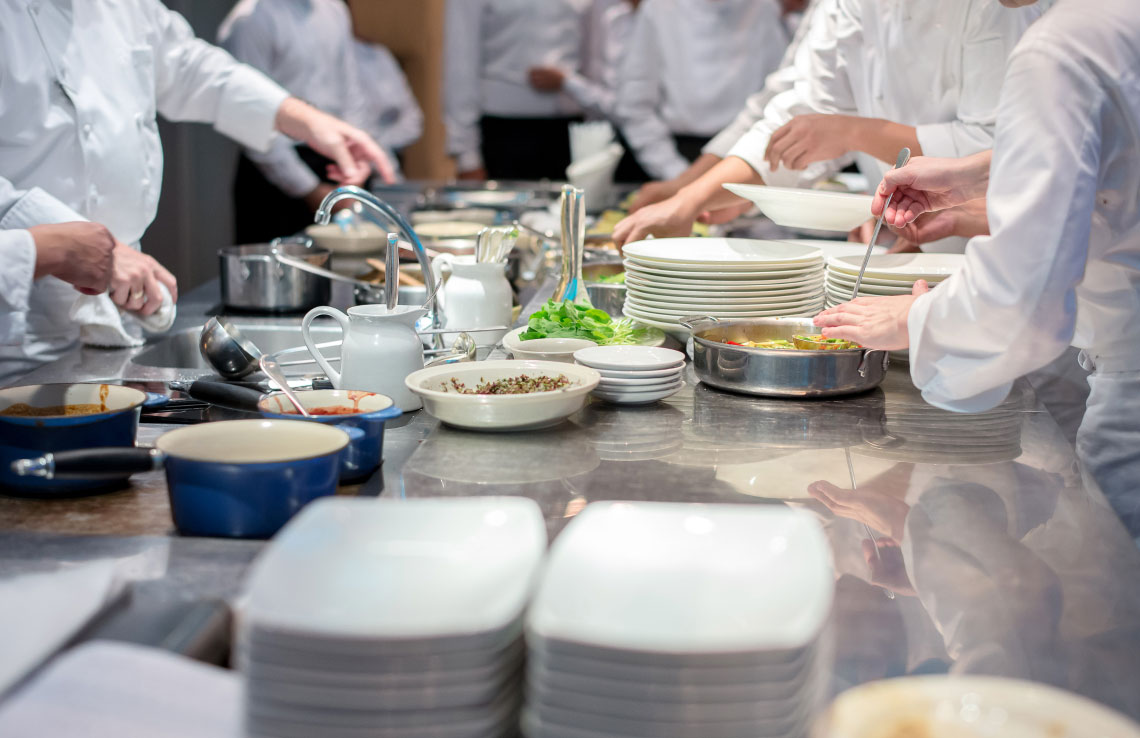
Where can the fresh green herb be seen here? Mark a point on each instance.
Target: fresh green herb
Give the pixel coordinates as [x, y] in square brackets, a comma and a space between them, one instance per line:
[567, 320]
[618, 278]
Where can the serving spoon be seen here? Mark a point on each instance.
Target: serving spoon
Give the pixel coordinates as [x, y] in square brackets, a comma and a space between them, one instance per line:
[900, 162]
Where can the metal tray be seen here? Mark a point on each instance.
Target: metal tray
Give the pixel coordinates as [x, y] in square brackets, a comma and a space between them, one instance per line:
[775, 372]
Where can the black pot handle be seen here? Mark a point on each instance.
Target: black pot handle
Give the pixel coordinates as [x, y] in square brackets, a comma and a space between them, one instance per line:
[115, 461]
[225, 394]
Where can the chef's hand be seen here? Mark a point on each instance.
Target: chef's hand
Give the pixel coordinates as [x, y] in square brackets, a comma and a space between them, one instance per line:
[353, 151]
[885, 560]
[474, 175]
[874, 322]
[807, 139]
[667, 219]
[79, 253]
[546, 79]
[966, 221]
[927, 184]
[134, 283]
[724, 215]
[652, 192]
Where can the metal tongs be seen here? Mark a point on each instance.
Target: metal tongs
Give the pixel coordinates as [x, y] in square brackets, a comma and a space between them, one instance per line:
[904, 157]
[571, 286]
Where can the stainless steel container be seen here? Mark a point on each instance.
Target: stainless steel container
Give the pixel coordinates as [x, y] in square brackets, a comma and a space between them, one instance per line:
[776, 372]
[253, 280]
[604, 296]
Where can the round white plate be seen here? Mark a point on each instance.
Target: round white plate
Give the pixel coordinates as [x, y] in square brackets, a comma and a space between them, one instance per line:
[638, 398]
[840, 293]
[722, 273]
[628, 358]
[511, 340]
[671, 268]
[724, 251]
[845, 278]
[717, 311]
[641, 373]
[686, 293]
[838, 248]
[711, 298]
[673, 327]
[726, 285]
[901, 266]
[798, 208]
[639, 385]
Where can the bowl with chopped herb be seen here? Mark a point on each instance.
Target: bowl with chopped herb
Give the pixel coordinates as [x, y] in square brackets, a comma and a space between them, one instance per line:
[503, 395]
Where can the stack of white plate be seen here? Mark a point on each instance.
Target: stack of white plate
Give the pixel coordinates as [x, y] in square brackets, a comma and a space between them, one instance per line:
[634, 375]
[670, 278]
[391, 618]
[887, 274]
[667, 619]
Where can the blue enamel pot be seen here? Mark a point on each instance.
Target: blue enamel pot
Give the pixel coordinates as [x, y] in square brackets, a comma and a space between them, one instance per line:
[355, 410]
[233, 479]
[114, 421]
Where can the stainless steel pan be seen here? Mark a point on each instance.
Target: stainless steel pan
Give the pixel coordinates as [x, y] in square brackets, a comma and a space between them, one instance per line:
[252, 278]
[775, 372]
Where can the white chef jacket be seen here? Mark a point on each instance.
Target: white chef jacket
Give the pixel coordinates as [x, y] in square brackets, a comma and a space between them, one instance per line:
[390, 113]
[1062, 263]
[793, 65]
[306, 47]
[690, 66]
[926, 63]
[18, 255]
[609, 27]
[80, 86]
[490, 46]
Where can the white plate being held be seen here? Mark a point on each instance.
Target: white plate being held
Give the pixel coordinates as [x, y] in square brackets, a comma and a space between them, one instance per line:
[725, 251]
[816, 210]
[628, 358]
[504, 412]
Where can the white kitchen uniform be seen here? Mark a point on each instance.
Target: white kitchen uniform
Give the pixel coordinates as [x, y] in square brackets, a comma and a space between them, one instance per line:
[794, 65]
[18, 257]
[81, 84]
[388, 109]
[1063, 262]
[925, 63]
[690, 67]
[306, 47]
[490, 46]
[609, 25]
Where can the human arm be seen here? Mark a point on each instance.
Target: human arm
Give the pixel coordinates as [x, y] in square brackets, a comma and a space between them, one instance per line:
[659, 190]
[815, 137]
[462, 66]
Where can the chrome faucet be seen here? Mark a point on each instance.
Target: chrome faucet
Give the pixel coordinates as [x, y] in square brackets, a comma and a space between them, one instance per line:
[388, 218]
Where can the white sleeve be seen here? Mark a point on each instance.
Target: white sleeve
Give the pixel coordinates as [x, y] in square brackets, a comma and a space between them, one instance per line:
[196, 81]
[1020, 281]
[17, 270]
[593, 96]
[638, 103]
[991, 33]
[463, 66]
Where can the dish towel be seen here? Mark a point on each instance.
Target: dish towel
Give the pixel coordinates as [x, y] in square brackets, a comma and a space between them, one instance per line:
[103, 324]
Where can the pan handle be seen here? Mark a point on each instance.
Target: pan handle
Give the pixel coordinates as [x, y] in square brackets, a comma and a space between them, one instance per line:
[226, 395]
[691, 321]
[115, 461]
[869, 357]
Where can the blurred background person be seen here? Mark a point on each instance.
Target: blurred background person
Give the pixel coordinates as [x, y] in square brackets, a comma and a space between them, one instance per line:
[388, 109]
[499, 125]
[690, 66]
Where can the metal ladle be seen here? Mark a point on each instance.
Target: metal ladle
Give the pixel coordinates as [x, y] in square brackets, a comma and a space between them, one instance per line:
[224, 347]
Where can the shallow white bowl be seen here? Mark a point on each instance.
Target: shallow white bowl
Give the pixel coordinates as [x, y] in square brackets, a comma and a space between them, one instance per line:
[364, 238]
[549, 349]
[900, 266]
[503, 412]
[639, 384]
[799, 208]
[627, 397]
[628, 358]
[641, 373]
[746, 252]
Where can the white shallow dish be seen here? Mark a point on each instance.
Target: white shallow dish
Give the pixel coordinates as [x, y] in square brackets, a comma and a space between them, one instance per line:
[503, 412]
[813, 209]
[837, 277]
[362, 238]
[670, 322]
[721, 273]
[609, 575]
[633, 383]
[900, 266]
[702, 280]
[548, 349]
[780, 270]
[641, 373]
[653, 337]
[725, 251]
[628, 358]
[676, 292]
[638, 398]
[659, 310]
[710, 298]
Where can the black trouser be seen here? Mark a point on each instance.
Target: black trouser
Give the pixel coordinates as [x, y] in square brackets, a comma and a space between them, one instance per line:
[261, 211]
[690, 146]
[526, 148]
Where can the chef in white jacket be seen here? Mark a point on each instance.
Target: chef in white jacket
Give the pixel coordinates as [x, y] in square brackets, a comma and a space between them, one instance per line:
[388, 109]
[1062, 263]
[498, 124]
[883, 74]
[80, 88]
[690, 66]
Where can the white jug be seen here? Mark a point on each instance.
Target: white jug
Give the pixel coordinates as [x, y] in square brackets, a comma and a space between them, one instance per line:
[379, 351]
[474, 296]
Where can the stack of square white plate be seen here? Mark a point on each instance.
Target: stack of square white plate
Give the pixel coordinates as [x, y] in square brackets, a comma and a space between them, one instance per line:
[683, 621]
[887, 274]
[634, 375]
[670, 278]
[388, 618]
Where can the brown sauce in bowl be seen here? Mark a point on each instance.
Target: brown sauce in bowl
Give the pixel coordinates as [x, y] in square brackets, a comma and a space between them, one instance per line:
[21, 410]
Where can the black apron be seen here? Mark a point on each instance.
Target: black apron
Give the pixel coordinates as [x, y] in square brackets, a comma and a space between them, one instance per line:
[261, 211]
[526, 148]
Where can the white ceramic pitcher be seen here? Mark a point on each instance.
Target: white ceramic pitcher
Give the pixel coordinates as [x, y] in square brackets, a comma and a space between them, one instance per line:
[380, 350]
[474, 296]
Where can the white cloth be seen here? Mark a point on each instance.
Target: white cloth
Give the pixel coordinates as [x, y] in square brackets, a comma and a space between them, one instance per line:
[490, 46]
[925, 63]
[306, 47]
[793, 66]
[17, 270]
[81, 86]
[690, 66]
[609, 24]
[388, 109]
[103, 324]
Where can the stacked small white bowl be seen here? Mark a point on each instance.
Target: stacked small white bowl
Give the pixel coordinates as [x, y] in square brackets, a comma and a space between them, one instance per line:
[887, 274]
[398, 618]
[670, 278]
[634, 375]
[686, 621]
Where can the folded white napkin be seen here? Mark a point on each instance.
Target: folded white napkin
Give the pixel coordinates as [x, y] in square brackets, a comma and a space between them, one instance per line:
[102, 323]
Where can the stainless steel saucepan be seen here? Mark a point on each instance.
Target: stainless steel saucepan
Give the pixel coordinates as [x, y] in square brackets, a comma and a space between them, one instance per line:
[252, 279]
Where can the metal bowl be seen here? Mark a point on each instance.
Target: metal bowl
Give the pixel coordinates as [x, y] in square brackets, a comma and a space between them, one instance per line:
[777, 372]
[608, 297]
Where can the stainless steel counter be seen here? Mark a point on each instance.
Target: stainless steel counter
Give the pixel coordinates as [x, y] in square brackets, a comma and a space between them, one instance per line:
[993, 557]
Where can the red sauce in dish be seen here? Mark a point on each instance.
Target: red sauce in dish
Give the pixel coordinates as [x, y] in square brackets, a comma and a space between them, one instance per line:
[330, 410]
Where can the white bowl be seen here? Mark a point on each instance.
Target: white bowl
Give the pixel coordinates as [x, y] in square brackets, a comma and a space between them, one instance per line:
[502, 412]
[814, 209]
[549, 349]
[628, 358]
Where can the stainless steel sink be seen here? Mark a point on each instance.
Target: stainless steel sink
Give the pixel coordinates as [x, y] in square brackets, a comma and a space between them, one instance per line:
[180, 350]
